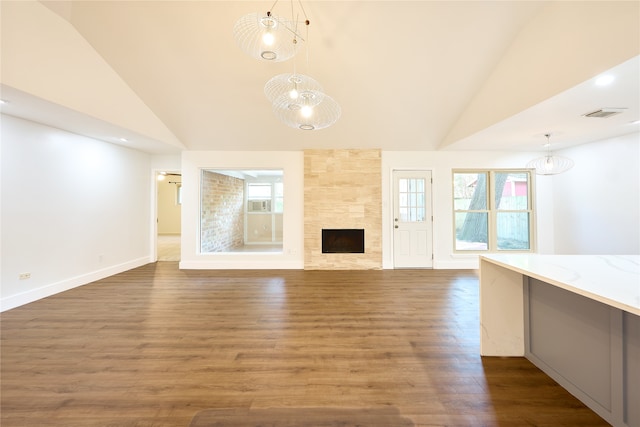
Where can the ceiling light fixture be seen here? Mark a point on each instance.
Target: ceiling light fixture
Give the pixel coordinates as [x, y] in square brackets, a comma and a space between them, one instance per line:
[290, 88]
[550, 164]
[311, 115]
[297, 100]
[267, 36]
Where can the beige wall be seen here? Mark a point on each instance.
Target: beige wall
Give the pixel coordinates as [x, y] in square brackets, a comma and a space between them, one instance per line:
[169, 211]
[342, 189]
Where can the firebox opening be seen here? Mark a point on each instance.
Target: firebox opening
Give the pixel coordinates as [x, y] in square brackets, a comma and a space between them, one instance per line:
[342, 241]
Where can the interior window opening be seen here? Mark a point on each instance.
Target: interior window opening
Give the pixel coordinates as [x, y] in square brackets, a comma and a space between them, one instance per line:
[241, 210]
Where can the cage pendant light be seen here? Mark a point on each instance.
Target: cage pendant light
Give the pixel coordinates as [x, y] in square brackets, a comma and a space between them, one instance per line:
[310, 115]
[550, 164]
[266, 37]
[299, 101]
[289, 90]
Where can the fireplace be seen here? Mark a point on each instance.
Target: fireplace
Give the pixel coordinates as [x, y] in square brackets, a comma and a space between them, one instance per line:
[344, 240]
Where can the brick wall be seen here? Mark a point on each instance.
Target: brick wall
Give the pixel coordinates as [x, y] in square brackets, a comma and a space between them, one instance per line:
[342, 189]
[222, 216]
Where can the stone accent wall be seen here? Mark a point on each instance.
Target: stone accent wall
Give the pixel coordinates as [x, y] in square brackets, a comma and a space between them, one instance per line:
[342, 189]
[222, 215]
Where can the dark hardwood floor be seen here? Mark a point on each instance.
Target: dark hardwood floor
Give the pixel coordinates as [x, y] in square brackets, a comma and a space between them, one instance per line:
[155, 345]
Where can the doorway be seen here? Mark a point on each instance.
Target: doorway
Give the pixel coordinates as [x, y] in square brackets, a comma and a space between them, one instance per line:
[169, 213]
[412, 219]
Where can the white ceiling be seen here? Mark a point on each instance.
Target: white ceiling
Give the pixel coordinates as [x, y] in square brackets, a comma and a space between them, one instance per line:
[404, 73]
[562, 116]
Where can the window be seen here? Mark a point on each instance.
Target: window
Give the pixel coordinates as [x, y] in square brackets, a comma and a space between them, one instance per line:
[259, 197]
[493, 210]
[278, 192]
[259, 191]
[179, 194]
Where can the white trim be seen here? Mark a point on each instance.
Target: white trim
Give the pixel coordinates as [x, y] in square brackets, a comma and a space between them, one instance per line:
[153, 233]
[32, 295]
[241, 264]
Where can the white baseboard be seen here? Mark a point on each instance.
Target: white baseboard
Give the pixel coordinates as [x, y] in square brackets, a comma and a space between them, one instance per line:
[241, 265]
[459, 264]
[13, 301]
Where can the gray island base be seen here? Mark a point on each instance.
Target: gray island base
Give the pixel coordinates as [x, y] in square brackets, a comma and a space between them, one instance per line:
[576, 317]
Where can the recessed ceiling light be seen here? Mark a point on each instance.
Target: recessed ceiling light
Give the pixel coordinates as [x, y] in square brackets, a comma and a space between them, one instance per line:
[124, 139]
[605, 80]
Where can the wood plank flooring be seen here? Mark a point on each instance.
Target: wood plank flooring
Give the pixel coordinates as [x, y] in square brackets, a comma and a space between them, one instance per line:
[156, 345]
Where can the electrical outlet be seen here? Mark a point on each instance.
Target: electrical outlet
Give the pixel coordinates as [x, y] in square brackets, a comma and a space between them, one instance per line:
[24, 276]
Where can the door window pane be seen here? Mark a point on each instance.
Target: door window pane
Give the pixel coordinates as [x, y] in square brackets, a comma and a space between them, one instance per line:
[404, 214]
[411, 207]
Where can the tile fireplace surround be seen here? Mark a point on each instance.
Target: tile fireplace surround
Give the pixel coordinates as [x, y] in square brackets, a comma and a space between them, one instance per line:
[342, 189]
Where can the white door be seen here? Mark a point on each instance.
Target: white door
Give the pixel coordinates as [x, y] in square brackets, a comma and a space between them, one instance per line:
[412, 220]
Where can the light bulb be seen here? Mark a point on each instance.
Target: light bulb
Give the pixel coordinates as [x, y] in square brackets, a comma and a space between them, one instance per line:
[548, 163]
[268, 38]
[306, 111]
[293, 93]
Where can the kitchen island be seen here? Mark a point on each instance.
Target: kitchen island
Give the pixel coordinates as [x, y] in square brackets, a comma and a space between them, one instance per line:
[576, 317]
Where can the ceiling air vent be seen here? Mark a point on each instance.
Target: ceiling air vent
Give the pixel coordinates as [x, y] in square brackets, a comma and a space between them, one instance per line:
[603, 113]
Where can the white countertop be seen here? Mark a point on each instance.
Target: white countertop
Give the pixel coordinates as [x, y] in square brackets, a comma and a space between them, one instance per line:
[611, 279]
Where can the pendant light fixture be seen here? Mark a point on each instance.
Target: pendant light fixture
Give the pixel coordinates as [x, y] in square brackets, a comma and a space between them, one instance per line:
[266, 37]
[291, 88]
[550, 164]
[297, 100]
[308, 114]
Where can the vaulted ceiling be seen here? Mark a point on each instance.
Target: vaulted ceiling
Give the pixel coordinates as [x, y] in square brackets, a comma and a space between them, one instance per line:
[409, 75]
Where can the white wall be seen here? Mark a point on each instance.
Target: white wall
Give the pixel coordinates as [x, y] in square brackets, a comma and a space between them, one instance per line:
[292, 164]
[441, 163]
[74, 210]
[597, 202]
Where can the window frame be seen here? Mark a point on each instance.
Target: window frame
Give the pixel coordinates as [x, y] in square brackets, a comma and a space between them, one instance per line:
[492, 211]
